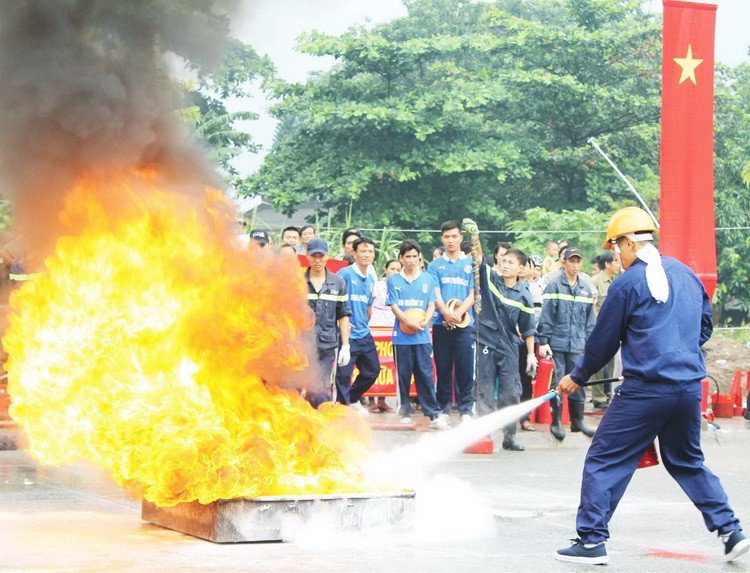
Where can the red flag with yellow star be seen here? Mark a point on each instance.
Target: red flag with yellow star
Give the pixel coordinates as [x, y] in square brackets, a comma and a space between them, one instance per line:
[686, 209]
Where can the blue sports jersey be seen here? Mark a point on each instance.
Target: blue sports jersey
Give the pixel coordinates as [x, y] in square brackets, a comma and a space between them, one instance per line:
[455, 279]
[359, 289]
[416, 294]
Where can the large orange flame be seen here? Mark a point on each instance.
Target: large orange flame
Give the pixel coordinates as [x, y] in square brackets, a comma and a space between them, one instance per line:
[157, 346]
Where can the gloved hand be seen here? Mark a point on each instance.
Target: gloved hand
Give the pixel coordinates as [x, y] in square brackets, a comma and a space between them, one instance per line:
[531, 364]
[470, 226]
[545, 351]
[344, 355]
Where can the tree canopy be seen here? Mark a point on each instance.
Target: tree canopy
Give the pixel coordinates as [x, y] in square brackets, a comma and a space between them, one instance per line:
[470, 108]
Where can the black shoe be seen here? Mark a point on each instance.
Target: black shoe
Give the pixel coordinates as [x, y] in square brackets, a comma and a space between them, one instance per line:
[510, 443]
[601, 405]
[735, 544]
[579, 553]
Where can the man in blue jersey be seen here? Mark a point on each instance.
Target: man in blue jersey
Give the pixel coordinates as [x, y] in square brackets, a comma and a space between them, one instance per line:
[363, 353]
[453, 344]
[413, 289]
[660, 312]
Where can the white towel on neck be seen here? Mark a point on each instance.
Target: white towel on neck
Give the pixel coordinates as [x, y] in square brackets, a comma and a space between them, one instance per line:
[655, 275]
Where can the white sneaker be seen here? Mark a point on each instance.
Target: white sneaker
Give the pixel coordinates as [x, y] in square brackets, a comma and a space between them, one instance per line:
[466, 418]
[446, 417]
[439, 423]
[360, 409]
[406, 420]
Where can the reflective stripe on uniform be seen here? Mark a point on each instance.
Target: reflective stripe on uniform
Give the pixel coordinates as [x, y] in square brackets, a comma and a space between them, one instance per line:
[510, 302]
[331, 297]
[23, 277]
[568, 297]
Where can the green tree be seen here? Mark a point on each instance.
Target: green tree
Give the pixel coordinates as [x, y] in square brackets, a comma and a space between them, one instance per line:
[206, 103]
[731, 153]
[478, 108]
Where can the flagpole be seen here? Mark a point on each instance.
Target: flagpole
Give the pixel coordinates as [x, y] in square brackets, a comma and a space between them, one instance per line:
[630, 186]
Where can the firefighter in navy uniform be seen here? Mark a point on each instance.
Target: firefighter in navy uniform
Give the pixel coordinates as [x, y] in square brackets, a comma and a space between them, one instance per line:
[327, 297]
[660, 312]
[507, 310]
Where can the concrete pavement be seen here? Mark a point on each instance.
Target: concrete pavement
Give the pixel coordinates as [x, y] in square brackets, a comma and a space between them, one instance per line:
[508, 511]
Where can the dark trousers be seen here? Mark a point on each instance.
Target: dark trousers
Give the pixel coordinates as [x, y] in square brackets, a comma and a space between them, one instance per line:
[415, 359]
[364, 355]
[494, 366]
[318, 391]
[628, 427]
[564, 364]
[454, 357]
[527, 390]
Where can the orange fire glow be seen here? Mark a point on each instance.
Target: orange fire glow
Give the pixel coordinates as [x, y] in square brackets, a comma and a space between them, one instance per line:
[157, 346]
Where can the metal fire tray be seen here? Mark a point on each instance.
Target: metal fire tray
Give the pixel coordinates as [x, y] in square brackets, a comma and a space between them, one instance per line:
[274, 518]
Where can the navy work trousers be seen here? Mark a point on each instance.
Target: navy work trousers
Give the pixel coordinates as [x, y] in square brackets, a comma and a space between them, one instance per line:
[415, 359]
[495, 367]
[454, 356]
[628, 427]
[564, 364]
[364, 356]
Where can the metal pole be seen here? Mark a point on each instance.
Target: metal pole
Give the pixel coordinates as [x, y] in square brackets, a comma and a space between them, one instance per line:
[630, 186]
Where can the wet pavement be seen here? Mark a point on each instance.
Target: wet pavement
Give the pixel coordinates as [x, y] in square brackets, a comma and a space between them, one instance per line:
[506, 511]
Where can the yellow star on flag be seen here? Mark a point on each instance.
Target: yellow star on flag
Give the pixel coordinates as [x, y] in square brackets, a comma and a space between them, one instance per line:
[688, 65]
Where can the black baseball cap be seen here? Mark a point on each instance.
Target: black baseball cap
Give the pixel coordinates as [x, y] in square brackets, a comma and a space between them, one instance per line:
[572, 252]
[259, 236]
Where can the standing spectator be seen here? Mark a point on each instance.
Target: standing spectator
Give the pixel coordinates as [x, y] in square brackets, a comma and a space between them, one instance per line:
[526, 278]
[497, 255]
[660, 313]
[437, 253]
[453, 345]
[550, 261]
[507, 309]
[306, 232]
[347, 244]
[595, 270]
[609, 268]
[412, 288]
[382, 315]
[566, 322]
[327, 297]
[363, 353]
[290, 236]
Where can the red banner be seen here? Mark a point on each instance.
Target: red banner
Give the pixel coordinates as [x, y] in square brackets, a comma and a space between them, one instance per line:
[687, 136]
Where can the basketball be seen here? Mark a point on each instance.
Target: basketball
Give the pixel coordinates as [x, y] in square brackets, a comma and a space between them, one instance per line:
[415, 315]
[465, 319]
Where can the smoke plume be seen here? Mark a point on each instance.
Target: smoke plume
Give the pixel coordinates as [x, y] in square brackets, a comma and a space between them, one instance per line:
[84, 89]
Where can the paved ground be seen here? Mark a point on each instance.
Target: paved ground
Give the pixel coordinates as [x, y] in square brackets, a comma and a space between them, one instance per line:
[506, 511]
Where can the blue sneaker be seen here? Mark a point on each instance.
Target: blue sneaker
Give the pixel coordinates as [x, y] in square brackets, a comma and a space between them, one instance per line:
[735, 544]
[578, 552]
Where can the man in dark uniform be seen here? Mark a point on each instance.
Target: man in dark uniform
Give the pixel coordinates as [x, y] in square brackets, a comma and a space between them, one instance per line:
[660, 312]
[507, 309]
[326, 295]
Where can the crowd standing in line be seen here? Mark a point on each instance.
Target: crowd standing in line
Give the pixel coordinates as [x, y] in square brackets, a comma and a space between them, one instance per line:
[561, 300]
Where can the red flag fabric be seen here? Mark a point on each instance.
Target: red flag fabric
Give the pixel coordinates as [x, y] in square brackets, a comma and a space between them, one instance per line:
[686, 212]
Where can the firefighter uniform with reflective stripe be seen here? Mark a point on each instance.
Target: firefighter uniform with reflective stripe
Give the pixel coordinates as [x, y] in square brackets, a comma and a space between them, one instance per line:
[567, 320]
[504, 308]
[660, 396]
[329, 305]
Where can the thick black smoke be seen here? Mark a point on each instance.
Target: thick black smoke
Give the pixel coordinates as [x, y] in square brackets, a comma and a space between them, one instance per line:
[84, 89]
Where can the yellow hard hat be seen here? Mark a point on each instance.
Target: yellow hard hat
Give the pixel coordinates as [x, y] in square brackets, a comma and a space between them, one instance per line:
[627, 220]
